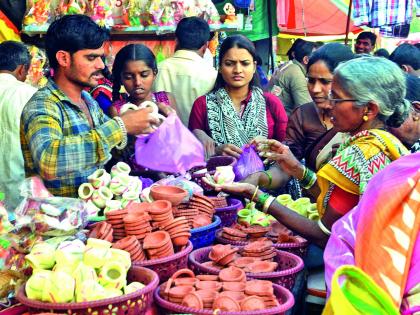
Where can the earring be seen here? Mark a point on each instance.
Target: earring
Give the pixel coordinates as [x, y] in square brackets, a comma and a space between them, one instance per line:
[365, 118]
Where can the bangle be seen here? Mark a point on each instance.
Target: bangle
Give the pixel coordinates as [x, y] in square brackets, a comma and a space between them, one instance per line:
[121, 124]
[270, 178]
[255, 193]
[268, 203]
[262, 199]
[323, 227]
[309, 178]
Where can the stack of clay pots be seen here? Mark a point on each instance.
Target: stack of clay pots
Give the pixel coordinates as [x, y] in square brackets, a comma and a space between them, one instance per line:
[219, 202]
[263, 250]
[115, 218]
[132, 245]
[222, 254]
[199, 211]
[161, 213]
[179, 231]
[281, 234]
[102, 230]
[158, 245]
[227, 292]
[234, 234]
[137, 224]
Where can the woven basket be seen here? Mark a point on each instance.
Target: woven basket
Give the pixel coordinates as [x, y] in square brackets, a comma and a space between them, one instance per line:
[283, 295]
[136, 303]
[205, 235]
[228, 215]
[298, 249]
[289, 267]
[167, 266]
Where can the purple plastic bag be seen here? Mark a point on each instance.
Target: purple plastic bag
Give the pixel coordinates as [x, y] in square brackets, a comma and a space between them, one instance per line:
[249, 162]
[172, 148]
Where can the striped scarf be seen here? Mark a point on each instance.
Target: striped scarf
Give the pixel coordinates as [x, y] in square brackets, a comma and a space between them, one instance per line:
[229, 127]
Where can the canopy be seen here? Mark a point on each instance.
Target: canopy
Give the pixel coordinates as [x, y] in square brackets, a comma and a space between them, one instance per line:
[317, 17]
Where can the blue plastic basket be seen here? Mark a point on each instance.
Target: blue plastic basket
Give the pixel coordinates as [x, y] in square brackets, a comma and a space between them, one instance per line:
[205, 235]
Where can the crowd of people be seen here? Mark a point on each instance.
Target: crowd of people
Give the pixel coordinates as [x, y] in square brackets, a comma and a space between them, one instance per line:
[329, 119]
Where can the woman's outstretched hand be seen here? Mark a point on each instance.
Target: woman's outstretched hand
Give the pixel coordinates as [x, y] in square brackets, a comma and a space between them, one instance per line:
[274, 150]
[241, 189]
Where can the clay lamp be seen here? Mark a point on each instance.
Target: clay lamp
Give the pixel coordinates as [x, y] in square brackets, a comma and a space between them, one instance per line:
[193, 300]
[234, 232]
[209, 285]
[185, 281]
[237, 296]
[242, 262]
[201, 220]
[207, 296]
[176, 294]
[252, 303]
[259, 288]
[116, 214]
[226, 303]
[208, 277]
[137, 208]
[234, 286]
[276, 228]
[173, 194]
[232, 274]
[160, 207]
[228, 257]
[262, 266]
[210, 264]
[180, 239]
[218, 251]
[156, 239]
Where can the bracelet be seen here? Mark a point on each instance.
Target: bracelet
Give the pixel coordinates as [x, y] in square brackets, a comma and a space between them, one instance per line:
[268, 203]
[270, 177]
[262, 199]
[123, 143]
[323, 228]
[309, 178]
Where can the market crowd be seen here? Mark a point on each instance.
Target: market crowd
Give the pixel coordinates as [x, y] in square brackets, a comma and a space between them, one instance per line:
[327, 121]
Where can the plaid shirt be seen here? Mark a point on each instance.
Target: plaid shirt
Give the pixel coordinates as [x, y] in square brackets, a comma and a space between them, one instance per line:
[377, 13]
[59, 144]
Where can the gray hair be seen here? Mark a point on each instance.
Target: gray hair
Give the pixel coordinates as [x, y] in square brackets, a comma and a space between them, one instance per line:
[377, 80]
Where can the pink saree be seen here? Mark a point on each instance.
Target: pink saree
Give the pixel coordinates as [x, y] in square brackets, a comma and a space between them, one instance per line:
[381, 234]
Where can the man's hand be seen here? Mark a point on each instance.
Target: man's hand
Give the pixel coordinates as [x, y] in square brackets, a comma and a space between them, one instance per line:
[139, 121]
[229, 149]
[208, 143]
[241, 189]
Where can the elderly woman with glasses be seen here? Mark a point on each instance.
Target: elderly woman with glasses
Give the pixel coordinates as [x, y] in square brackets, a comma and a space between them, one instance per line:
[367, 97]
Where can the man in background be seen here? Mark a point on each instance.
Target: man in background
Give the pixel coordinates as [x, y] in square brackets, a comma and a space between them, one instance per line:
[14, 94]
[186, 74]
[407, 57]
[365, 43]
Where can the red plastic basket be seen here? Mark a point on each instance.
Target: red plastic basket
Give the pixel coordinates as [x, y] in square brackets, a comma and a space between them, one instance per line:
[228, 215]
[136, 303]
[166, 267]
[283, 295]
[289, 265]
[298, 249]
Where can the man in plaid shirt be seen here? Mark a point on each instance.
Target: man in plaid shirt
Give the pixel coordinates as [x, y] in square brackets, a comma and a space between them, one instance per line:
[65, 136]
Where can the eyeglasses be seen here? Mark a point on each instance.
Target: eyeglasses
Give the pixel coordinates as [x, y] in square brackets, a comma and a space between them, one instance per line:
[334, 101]
[324, 81]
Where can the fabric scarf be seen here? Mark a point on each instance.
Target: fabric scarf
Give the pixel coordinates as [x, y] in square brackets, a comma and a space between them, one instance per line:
[227, 126]
[381, 234]
[356, 161]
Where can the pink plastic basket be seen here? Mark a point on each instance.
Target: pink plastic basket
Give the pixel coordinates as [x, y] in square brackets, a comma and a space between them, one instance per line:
[298, 249]
[228, 215]
[136, 303]
[166, 267]
[283, 295]
[289, 266]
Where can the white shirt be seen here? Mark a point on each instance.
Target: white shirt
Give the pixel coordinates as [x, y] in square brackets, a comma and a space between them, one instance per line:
[14, 95]
[187, 76]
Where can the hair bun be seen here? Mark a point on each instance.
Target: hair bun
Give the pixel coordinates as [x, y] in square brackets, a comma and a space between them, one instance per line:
[400, 114]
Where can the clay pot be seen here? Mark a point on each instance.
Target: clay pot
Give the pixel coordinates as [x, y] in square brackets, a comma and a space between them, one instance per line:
[173, 194]
[208, 277]
[228, 257]
[234, 286]
[252, 303]
[185, 281]
[261, 266]
[242, 262]
[160, 207]
[237, 296]
[180, 239]
[232, 274]
[156, 239]
[201, 220]
[207, 296]
[226, 303]
[259, 288]
[193, 300]
[218, 251]
[209, 285]
[180, 292]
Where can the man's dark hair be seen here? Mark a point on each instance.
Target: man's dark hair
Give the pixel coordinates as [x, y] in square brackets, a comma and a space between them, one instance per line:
[291, 52]
[406, 54]
[382, 52]
[368, 35]
[331, 54]
[73, 33]
[413, 88]
[303, 49]
[192, 33]
[13, 54]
